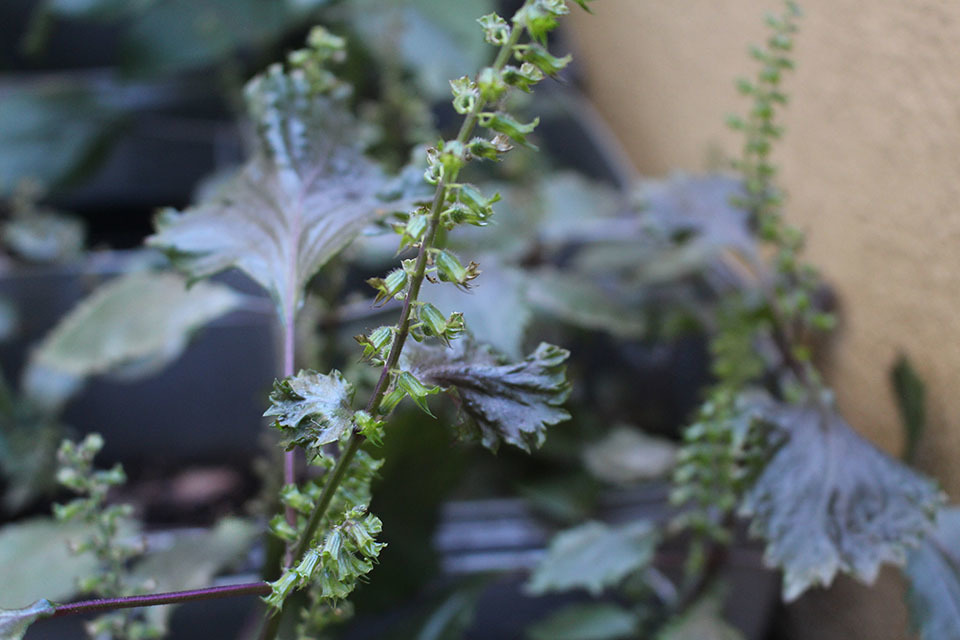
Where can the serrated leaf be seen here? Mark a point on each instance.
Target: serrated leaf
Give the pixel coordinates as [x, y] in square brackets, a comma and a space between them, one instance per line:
[138, 318]
[14, 623]
[193, 560]
[933, 570]
[702, 621]
[35, 551]
[627, 455]
[828, 501]
[513, 403]
[594, 556]
[593, 621]
[305, 194]
[312, 409]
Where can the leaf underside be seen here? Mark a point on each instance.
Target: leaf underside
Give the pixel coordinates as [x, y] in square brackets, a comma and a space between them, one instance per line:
[594, 556]
[511, 403]
[828, 501]
[305, 194]
[933, 570]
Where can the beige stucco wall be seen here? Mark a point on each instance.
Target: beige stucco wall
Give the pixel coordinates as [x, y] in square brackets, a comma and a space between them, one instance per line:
[871, 161]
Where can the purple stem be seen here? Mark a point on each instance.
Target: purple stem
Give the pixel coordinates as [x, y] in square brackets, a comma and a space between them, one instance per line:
[174, 597]
[289, 461]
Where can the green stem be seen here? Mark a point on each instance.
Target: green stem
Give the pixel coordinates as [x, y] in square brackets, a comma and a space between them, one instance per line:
[272, 625]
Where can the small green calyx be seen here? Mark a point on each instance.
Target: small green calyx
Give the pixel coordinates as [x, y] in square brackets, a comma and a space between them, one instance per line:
[522, 77]
[465, 95]
[449, 269]
[496, 31]
[542, 59]
[393, 286]
[509, 126]
[369, 427]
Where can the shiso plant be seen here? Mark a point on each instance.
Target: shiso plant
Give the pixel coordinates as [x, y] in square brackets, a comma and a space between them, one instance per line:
[767, 446]
[306, 193]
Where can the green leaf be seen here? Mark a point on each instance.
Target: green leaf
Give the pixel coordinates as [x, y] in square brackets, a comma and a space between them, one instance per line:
[933, 570]
[35, 551]
[304, 196]
[594, 556]
[702, 621]
[312, 409]
[142, 320]
[911, 401]
[193, 560]
[14, 623]
[503, 402]
[593, 621]
[50, 134]
[627, 455]
[828, 501]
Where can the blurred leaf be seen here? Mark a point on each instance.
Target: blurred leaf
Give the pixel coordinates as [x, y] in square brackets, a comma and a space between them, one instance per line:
[594, 621]
[933, 570]
[594, 556]
[568, 499]
[512, 402]
[13, 624]
[702, 621]
[49, 134]
[829, 501]
[627, 455]
[312, 409]
[168, 36]
[141, 317]
[452, 618]
[305, 194]
[95, 9]
[495, 308]
[581, 302]
[35, 552]
[698, 209]
[193, 560]
[911, 401]
[436, 39]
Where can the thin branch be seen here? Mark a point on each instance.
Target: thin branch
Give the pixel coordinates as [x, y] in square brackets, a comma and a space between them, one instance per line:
[173, 597]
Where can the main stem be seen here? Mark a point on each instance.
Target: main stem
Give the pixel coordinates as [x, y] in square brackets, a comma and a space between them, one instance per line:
[272, 625]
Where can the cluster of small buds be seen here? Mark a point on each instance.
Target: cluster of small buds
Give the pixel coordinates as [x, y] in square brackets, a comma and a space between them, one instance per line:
[347, 553]
[323, 48]
[723, 452]
[110, 539]
[797, 284]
